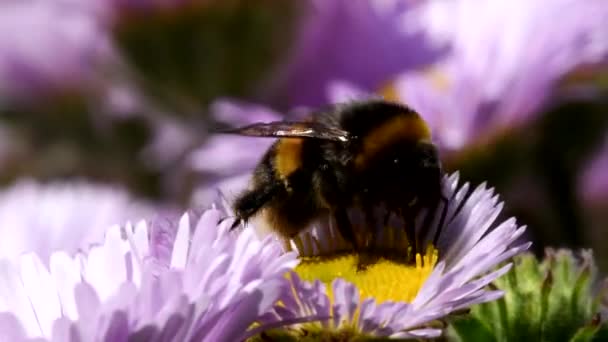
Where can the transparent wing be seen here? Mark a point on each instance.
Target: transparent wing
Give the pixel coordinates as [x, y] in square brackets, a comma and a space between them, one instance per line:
[297, 129]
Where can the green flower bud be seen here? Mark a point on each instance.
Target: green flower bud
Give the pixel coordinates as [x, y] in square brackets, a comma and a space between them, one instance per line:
[554, 300]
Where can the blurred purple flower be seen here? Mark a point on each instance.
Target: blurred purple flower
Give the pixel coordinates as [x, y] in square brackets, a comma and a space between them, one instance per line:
[471, 245]
[227, 160]
[48, 47]
[213, 287]
[60, 216]
[170, 140]
[505, 61]
[222, 152]
[360, 41]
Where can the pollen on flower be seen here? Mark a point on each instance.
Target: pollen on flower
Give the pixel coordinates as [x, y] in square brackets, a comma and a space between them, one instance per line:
[384, 280]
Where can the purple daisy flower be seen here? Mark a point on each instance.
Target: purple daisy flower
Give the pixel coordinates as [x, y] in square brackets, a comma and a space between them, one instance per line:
[48, 47]
[356, 41]
[388, 300]
[60, 216]
[505, 61]
[213, 287]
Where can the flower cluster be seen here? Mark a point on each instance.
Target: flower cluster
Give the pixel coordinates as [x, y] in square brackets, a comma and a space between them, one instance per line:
[213, 287]
[483, 85]
[66, 216]
[195, 279]
[57, 49]
[133, 92]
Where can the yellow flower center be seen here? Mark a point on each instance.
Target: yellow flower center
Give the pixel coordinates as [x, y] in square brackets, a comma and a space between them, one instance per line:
[383, 280]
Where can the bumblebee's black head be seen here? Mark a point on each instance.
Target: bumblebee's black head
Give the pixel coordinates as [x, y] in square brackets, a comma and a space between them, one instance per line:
[404, 172]
[398, 164]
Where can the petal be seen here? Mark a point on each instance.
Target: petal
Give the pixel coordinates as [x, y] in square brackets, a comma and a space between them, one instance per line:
[181, 245]
[41, 291]
[87, 303]
[62, 330]
[118, 327]
[66, 274]
[346, 301]
[14, 297]
[10, 328]
[105, 266]
[418, 334]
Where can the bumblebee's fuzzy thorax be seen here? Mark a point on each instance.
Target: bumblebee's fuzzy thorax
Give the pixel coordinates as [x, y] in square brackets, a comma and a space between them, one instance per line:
[408, 128]
[288, 156]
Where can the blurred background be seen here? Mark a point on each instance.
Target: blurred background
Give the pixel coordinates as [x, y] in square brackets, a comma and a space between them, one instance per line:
[108, 107]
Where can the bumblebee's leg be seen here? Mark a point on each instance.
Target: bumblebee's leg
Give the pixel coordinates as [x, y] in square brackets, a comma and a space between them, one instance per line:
[249, 203]
[365, 252]
[332, 197]
[367, 255]
[345, 227]
[444, 212]
[386, 219]
[371, 226]
[346, 230]
[409, 216]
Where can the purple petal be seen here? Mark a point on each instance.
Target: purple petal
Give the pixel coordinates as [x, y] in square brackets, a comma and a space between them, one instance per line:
[335, 43]
[419, 333]
[87, 302]
[118, 329]
[237, 113]
[10, 328]
[346, 299]
[58, 47]
[483, 84]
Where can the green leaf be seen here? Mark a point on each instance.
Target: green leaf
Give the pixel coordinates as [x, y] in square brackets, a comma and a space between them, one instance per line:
[472, 329]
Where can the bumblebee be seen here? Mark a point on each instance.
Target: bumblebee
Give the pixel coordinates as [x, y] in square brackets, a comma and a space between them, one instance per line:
[350, 155]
